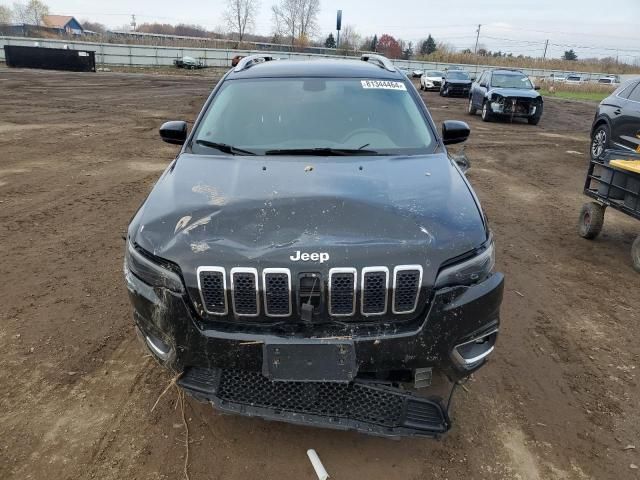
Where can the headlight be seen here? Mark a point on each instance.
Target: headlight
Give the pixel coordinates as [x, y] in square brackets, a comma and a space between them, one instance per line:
[150, 272]
[469, 271]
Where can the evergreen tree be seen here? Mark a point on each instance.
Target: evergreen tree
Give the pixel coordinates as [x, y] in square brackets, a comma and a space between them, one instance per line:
[374, 43]
[330, 42]
[570, 55]
[428, 46]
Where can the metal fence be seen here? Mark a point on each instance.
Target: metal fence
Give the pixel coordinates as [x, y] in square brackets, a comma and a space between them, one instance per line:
[149, 56]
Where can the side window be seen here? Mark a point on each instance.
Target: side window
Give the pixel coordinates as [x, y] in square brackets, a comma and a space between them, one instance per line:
[635, 94]
[487, 79]
[482, 78]
[626, 91]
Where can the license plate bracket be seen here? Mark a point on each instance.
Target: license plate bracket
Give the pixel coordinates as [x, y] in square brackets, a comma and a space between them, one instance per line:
[307, 361]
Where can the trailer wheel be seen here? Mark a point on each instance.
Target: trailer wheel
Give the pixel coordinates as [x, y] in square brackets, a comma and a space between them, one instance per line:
[591, 220]
[635, 254]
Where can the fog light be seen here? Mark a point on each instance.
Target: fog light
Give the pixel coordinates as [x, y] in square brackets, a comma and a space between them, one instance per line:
[469, 354]
[159, 348]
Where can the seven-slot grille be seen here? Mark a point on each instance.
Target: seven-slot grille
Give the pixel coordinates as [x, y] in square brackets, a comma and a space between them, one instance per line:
[344, 286]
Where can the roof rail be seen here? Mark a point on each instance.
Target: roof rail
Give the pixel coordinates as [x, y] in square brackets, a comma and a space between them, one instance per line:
[251, 60]
[382, 61]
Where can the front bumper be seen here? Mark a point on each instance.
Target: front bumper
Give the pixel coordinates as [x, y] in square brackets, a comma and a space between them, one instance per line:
[455, 338]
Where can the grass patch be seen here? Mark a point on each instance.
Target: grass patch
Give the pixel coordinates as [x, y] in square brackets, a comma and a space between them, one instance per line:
[575, 95]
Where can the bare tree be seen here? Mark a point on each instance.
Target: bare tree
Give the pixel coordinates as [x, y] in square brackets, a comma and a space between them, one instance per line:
[240, 16]
[296, 19]
[5, 14]
[349, 39]
[30, 13]
[93, 26]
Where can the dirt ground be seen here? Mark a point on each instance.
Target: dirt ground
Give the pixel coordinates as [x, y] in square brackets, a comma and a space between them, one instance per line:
[78, 154]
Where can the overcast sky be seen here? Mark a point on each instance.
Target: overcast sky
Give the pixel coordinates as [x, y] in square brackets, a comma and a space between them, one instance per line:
[594, 27]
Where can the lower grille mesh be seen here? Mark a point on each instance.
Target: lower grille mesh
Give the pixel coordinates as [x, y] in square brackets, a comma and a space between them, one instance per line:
[341, 400]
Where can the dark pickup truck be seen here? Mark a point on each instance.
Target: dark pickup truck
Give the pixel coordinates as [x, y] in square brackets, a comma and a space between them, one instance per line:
[313, 254]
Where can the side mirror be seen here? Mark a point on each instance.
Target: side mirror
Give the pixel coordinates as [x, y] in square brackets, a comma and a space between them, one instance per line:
[536, 87]
[174, 132]
[454, 131]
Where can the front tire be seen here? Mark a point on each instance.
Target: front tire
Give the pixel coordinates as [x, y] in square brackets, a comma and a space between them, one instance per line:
[591, 220]
[486, 112]
[635, 254]
[471, 109]
[600, 138]
[535, 120]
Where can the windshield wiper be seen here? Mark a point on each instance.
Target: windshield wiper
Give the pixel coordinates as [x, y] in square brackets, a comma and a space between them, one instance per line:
[223, 147]
[323, 151]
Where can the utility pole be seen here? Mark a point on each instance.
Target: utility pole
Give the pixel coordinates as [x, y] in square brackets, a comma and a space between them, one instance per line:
[133, 23]
[544, 57]
[475, 50]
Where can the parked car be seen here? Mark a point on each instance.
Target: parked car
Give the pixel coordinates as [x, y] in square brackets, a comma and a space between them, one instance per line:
[455, 82]
[188, 63]
[557, 77]
[505, 93]
[617, 121]
[574, 78]
[417, 73]
[431, 80]
[294, 262]
[609, 80]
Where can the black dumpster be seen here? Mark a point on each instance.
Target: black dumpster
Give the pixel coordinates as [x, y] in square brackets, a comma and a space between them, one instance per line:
[50, 58]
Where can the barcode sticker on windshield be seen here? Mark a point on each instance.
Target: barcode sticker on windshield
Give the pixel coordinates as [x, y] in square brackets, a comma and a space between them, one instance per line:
[383, 84]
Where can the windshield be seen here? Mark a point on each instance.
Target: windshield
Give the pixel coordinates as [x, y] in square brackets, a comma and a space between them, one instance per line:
[510, 80]
[458, 75]
[265, 116]
[435, 73]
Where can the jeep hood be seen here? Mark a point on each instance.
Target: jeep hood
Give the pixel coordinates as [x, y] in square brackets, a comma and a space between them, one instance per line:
[514, 92]
[258, 211]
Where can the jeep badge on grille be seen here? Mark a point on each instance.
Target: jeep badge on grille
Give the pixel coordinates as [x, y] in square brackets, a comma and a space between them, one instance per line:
[310, 257]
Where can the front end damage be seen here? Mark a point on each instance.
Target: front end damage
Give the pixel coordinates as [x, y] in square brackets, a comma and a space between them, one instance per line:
[515, 107]
[380, 379]
[302, 297]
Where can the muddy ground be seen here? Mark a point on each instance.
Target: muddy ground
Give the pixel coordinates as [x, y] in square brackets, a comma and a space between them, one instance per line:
[79, 152]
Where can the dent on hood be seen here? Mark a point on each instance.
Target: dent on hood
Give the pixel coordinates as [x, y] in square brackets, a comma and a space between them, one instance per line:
[235, 209]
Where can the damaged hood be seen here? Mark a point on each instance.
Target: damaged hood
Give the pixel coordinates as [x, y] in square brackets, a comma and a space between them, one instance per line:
[514, 92]
[257, 212]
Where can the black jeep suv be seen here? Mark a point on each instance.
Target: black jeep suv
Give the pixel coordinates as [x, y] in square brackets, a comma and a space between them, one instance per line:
[507, 94]
[455, 83]
[313, 254]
